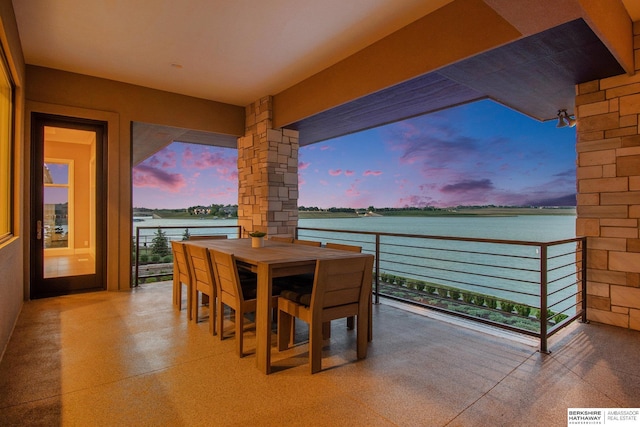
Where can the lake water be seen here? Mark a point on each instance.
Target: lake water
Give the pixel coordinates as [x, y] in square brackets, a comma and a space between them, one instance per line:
[537, 228]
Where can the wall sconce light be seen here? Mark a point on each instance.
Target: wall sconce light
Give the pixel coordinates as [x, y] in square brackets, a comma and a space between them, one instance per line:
[565, 119]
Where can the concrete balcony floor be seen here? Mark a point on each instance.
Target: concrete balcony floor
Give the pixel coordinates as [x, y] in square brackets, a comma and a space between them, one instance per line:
[132, 359]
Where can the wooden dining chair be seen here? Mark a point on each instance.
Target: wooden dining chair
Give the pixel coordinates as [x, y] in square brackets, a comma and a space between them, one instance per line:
[283, 239]
[238, 295]
[196, 237]
[341, 288]
[181, 275]
[203, 282]
[343, 247]
[307, 242]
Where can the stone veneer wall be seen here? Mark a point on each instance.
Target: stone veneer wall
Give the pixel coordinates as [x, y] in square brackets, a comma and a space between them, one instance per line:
[267, 174]
[608, 178]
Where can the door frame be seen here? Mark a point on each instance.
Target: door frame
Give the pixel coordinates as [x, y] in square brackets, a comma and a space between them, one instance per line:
[39, 286]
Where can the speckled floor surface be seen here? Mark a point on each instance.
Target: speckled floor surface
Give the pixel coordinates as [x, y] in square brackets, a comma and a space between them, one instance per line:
[130, 358]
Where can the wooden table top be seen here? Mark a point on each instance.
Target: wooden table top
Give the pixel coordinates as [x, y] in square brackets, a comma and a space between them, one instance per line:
[274, 252]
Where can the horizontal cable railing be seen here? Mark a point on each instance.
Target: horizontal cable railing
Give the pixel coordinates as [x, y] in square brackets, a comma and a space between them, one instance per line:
[151, 250]
[533, 288]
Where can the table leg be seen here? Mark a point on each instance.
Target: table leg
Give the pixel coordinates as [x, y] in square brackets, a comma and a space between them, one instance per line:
[263, 319]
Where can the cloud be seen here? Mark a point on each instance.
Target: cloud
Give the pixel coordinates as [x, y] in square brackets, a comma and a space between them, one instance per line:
[335, 172]
[569, 173]
[326, 147]
[348, 173]
[468, 186]
[303, 165]
[352, 191]
[207, 160]
[440, 151]
[149, 176]
[227, 174]
[414, 201]
[165, 159]
[372, 173]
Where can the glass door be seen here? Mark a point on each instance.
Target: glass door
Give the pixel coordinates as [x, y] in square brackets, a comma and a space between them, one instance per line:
[67, 243]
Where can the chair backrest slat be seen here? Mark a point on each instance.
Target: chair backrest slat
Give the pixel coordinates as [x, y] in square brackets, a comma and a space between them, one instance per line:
[342, 247]
[180, 262]
[226, 272]
[307, 242]
[201, 270]
[202, 237]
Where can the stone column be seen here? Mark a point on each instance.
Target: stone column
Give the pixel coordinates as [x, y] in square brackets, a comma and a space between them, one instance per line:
[267, 174]
[608, 178]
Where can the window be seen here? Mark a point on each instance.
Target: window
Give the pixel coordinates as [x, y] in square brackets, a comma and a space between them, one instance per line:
[58, 204]
[6, 150]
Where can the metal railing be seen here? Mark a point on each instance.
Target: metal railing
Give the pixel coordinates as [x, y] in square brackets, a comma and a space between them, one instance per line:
[533, 288]
[163, 265]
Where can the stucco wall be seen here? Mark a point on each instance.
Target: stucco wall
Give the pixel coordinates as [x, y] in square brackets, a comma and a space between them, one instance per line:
[11, 252]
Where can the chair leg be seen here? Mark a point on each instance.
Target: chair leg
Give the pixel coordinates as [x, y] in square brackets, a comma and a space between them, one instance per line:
[285, 321]
[195, 306]
[326, 330]
[350, 322]
[212, 316]
[177, 288]
[362, 335]
[370, 316]
[239, 332]
[189, 302]
[292, 332]
[220, 315]
[315, 347]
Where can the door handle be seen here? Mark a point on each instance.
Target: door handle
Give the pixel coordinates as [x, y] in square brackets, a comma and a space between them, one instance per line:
[39, 230]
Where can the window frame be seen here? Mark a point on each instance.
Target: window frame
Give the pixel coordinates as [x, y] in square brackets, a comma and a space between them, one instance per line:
[7, 149]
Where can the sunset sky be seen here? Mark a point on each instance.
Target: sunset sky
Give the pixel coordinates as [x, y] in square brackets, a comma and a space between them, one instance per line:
[475, 154]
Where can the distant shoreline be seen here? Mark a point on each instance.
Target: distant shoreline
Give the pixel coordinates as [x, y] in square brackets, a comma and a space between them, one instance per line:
[493, 212]
[483, 211]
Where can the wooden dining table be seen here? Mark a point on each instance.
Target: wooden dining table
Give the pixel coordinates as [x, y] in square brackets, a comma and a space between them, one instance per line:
[274, 259]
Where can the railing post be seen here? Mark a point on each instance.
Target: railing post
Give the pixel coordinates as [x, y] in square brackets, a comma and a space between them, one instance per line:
[135, 277]
[584, 280]
[377, 279]
[543, 299]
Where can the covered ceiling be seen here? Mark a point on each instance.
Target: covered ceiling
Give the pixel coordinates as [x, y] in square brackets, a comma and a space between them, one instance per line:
[238, 51]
